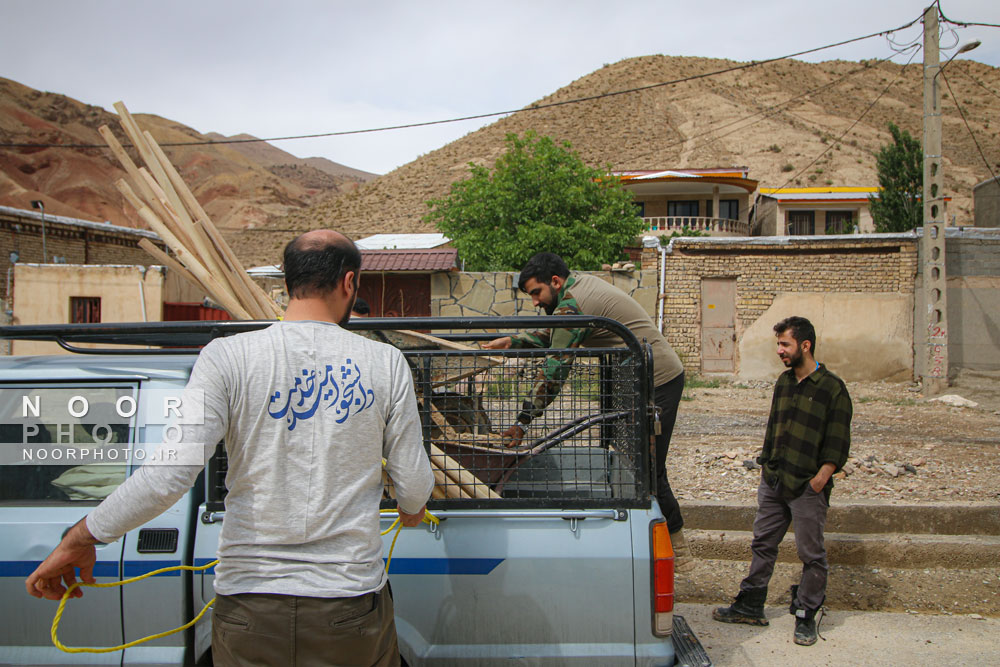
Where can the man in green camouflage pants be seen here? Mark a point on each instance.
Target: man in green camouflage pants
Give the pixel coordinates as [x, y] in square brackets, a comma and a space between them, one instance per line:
[547, 280]
[808, 438]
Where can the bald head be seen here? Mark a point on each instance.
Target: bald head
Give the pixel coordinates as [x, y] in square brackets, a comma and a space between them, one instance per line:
[317, 261]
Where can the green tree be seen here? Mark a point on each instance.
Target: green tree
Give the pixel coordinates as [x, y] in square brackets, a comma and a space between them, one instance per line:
[539, 196]
[901, 177]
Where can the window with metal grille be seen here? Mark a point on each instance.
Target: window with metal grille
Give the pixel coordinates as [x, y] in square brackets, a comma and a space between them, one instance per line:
[839, 222]
[801, 223]
[84, 309]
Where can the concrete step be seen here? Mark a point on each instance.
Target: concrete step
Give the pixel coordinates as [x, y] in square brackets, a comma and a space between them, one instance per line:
[861, 550]
[852, 587]
[932, 518]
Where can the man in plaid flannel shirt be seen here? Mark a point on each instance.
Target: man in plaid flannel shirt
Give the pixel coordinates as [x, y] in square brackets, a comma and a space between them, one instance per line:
[807, 440]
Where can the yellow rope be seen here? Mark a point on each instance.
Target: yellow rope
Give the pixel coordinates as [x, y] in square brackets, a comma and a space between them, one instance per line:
[80, 649]
[428, 518]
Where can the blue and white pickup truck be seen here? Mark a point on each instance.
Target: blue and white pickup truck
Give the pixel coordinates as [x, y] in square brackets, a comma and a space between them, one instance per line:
[550, 553]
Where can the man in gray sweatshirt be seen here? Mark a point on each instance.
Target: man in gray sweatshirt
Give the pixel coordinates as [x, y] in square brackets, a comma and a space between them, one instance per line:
[307, 411]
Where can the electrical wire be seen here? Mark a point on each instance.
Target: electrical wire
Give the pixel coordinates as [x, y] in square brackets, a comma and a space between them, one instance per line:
[854, 124]
[979, 83]
[533, 107]
[962, 23]
[965, 120]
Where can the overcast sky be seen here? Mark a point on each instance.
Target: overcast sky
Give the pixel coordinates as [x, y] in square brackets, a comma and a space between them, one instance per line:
[309, 66]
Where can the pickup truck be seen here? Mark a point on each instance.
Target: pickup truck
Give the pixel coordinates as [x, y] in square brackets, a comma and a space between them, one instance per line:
[551, 553]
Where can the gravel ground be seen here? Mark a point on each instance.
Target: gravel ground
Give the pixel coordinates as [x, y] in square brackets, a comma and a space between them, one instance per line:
[904, 446]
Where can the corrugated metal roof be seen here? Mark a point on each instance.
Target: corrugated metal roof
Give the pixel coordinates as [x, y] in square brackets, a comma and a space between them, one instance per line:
[437, 259]
[401, 241]
[433, 259]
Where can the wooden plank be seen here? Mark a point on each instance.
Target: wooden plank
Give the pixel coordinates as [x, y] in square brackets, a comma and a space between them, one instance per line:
[197, 224]
[170, 263]
[138, 181]
[214, 289]
[142, 145]
[454, 470]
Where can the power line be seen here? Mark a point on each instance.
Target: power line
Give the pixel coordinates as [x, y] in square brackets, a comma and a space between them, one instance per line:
[534, 107]
[962, 23]
[858, 120]
[979, 83]
[767, 112]
[972, 134]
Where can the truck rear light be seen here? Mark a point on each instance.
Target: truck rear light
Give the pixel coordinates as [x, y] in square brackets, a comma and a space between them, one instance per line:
[662, 578]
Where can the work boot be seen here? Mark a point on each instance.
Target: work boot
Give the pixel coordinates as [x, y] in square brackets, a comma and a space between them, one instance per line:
[806, 628]
[747, 608]
[683, 560]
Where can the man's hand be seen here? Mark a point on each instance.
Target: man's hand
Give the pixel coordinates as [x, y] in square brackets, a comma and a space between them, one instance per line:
[411, 520]
[822, 477]
[75, 550]
[497, 344]
[512, 436]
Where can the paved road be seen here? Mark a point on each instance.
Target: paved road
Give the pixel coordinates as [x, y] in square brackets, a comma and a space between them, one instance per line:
[852, 638]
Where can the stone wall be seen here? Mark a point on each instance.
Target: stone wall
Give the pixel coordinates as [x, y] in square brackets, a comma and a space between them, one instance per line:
[476, 294]
[883, 265]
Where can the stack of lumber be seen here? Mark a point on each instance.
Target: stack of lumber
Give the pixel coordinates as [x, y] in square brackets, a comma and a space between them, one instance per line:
[202, 256]
[168, 206]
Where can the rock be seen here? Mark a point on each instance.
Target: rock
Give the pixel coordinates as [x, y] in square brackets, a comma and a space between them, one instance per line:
[956, 401]
[840, 475]
[750, 464]
[919, 462]
[605, 267]
[731, 454]
[848, 469]
[909, 468]
[891, 470]
[976, 617]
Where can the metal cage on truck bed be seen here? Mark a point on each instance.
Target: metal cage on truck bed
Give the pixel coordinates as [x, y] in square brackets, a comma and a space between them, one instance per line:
[590, 447]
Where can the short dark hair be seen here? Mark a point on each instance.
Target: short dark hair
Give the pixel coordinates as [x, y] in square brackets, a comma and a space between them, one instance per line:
[542, 266]
[315, 266]
[361, 307]
[801, 328]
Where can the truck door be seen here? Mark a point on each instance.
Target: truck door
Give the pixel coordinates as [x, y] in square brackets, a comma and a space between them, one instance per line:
[47, 484]
[533, 586]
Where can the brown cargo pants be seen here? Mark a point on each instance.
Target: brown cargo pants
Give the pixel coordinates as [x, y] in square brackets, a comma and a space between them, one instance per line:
[269, 630]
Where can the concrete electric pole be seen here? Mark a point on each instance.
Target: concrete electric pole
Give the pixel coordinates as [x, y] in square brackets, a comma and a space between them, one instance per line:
[935, 369]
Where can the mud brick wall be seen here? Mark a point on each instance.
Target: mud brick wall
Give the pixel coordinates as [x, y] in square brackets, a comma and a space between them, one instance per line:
[765, 267]
[72, 244]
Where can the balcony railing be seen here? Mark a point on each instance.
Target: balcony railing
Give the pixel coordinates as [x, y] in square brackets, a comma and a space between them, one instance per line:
[711, 226]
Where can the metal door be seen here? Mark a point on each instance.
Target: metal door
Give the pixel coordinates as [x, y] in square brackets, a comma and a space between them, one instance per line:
[718, 325]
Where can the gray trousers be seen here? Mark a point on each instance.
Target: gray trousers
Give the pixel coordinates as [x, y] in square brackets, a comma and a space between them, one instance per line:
[774, 514]
[271, 630]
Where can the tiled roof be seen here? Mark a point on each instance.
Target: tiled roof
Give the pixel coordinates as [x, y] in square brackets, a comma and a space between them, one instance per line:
[435, 259]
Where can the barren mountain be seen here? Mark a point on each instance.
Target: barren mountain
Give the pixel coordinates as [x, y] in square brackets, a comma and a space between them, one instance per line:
[238, 184]
[775, 119]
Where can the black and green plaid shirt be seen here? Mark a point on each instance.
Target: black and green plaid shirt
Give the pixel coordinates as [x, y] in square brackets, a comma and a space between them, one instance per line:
[810, 424]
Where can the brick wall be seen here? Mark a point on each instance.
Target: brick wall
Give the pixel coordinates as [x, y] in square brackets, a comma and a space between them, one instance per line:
[765, 267]
[71, 243]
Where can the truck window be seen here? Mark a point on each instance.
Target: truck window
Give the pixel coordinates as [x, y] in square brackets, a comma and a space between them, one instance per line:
[64, 443]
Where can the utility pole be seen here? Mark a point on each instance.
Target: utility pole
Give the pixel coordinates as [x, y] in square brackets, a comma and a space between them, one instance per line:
[935, 370]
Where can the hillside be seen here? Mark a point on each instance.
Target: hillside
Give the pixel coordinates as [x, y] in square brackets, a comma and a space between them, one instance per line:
[238, 184]
[694, 124]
